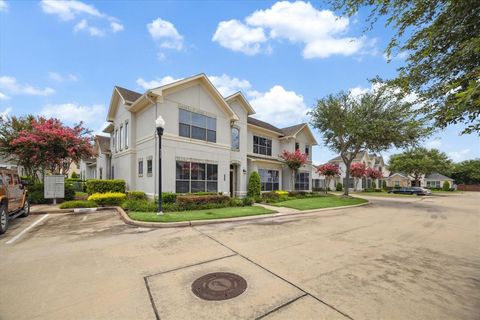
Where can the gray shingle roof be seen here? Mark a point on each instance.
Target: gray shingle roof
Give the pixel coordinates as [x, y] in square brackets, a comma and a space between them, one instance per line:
[103, 142]
[290, 131]
[127, 94]
[264, 125]
[437, 176]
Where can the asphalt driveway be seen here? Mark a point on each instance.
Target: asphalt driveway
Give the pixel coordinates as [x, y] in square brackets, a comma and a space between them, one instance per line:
[397, 258]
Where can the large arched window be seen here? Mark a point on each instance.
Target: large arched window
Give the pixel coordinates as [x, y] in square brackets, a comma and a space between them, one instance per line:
[235, 138]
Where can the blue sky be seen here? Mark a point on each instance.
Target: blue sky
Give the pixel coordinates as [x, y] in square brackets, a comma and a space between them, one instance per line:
[62, 58]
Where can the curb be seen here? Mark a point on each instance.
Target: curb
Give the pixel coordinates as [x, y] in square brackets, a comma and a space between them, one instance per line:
[124, 216]
[60, 211]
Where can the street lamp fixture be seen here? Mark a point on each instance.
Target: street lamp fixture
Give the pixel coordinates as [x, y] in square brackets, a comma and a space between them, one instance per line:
[159, 124]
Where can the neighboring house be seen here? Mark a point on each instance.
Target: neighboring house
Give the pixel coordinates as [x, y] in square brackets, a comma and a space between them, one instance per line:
[210, 143]
[370, 160]
[433, 180]
[99, 166]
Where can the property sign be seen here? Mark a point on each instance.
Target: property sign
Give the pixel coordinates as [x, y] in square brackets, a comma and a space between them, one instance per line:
[54, 187]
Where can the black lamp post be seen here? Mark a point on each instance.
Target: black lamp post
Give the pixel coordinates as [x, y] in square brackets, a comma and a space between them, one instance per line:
[160, 124]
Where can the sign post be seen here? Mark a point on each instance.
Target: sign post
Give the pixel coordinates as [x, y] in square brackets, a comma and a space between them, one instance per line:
[54, 187]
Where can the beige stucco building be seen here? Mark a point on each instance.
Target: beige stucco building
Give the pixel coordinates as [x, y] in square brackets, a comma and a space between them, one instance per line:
[210, 142]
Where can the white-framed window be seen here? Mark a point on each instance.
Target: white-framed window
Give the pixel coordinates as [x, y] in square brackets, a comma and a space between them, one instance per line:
[433, 184]
[262, 145]
[302, 181]
[116, 140]
[196, 177]
[120, 136]
[397, 183]
[269, 179]
[140, 167]
[126, 135]
[307, 150]
[197, 126]
[235, 138]
[149, 166]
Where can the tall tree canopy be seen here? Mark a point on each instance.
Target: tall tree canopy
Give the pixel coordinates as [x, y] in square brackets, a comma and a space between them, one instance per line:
[466, 172]
[374, 121]
[419, 161]
[442, 41]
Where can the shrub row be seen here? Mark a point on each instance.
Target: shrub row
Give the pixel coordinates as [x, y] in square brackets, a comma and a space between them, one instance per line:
[78, 204]
[104, 186]
[36, 193]
[275, 196]
[108, 198]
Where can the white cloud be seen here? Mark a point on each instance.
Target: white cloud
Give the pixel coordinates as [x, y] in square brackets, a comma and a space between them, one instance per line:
[5, 112]
[158, 82]
[165, 35]
[74, 113]
[228, 86]
[4, 96]
[320, 31]
[3, 6]
[433, 143]
[70, 10]
[237, 36]
[55, 76]
[116, 26]
[279, 106]
[11, 85]
[459, 155]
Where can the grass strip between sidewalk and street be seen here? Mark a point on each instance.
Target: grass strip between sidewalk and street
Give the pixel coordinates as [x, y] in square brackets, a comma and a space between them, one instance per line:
[319, 202]
[207, 214]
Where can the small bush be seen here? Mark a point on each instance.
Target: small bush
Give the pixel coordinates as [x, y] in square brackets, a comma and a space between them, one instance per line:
[81, 196]
[191, 202]
[74, 175]
[35, 194]
[339, 187]
[205, 193]
[108, 198]
[69, 192]
[384, 184]
[169, 197]
[78, 204]
[236, 202]
[140, 205]
[104, 186]
[136, 195]
[254, 187]
[368, 190]
[270, 196]
[297, 194]
[282, 192]
[374, 185]
[446, 186]
[247, 201]
[378, 190]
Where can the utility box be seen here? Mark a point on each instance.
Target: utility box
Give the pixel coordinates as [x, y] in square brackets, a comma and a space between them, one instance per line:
[54, 187]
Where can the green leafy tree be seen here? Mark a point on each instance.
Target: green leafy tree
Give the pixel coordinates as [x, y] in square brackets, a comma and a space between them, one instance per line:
[419, 161]
[441, 39]
[466, 172]
[254, 187]
[446, 186]
[374, 121]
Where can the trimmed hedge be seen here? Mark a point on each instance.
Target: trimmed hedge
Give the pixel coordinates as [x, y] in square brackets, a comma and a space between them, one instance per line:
[104, 186]
[136, 195]
[254, 187]
[108, 198]
[36, 193]
[78, 204]
[190, 202]
[339, 187]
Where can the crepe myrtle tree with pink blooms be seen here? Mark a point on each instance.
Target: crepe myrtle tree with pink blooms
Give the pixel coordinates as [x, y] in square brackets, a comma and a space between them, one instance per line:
[329, 171]
[374, 174]
[294, 160]
[357, 171]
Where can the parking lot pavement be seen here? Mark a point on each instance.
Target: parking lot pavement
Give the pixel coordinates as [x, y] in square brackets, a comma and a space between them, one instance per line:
[393, 259]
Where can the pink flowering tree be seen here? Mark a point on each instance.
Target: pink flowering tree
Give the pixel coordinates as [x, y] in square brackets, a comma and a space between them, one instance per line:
[50, 145]
[373, 174]
[294, 160]
[329, 171]
[357, 171]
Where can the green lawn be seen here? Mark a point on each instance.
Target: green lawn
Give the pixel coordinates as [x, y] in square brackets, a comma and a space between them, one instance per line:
[319, 202]
[220, 213]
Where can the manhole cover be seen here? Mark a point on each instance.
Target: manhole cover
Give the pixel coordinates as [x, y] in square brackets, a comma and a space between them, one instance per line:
[219, 286]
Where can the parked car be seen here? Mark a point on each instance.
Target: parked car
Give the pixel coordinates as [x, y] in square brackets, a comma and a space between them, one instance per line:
[13, 198]
[412, 190]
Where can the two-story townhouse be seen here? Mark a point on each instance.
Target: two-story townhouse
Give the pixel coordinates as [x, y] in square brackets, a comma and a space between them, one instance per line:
[210, 142]
[370, 160]
[98, 166]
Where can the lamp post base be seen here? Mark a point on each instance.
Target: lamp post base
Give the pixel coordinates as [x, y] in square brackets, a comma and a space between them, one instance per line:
[160, 213]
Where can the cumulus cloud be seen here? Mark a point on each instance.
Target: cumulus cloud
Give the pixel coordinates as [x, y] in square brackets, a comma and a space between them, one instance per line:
[320, 31]
[74, 113]
[74, 10]
[55, 76]
[4, 96]
[165, 35]
[11, 85]
[3, 6]
[460, 155]
[158, 82]
[433, 143]
[237, 36]
[227, 85]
